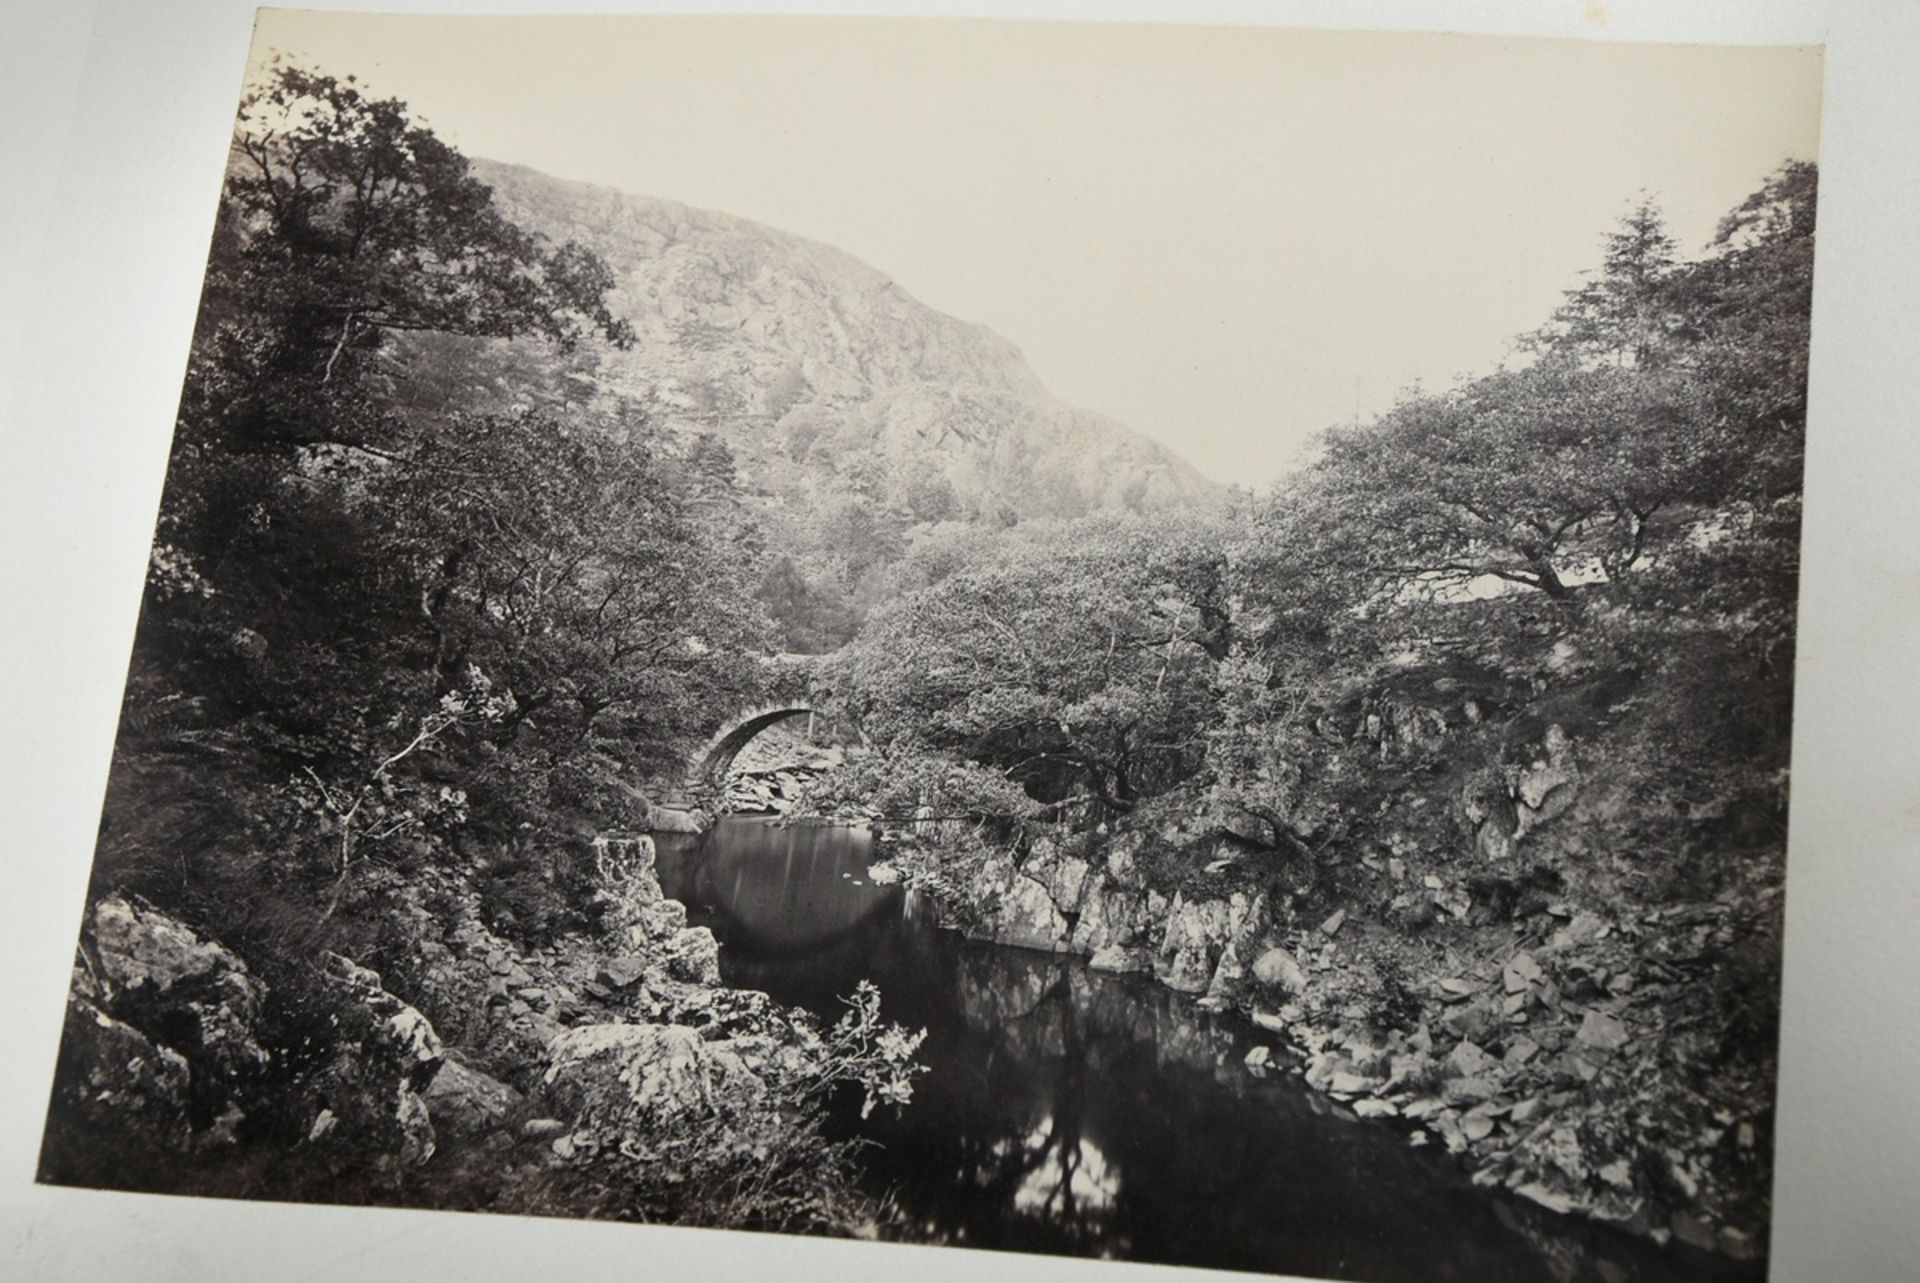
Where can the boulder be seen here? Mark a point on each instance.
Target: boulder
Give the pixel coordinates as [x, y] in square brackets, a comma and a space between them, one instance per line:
[1468, 1060]
[191, 994]
[159, 1046]
[663, 918]
[1275, 968]
[1196, 933]
[1063, 877]
[465, 1102]
[1520, 973]
[1120, 959]
[115, 1082]
[693, 955]
[1602, 1032]
[1229, 977]
[1025, 915]
[385, 1055]
[621, 1082]
[1111, 918]
[620, 973]
[1546, 788]
[667, 819]
[141, 950]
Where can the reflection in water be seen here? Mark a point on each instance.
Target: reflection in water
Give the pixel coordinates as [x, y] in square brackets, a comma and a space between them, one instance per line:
[1094, 1115]
[1072, 1181]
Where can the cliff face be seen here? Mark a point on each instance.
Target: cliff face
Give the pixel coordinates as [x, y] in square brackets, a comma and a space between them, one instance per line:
[824, 377]
[1473, 962]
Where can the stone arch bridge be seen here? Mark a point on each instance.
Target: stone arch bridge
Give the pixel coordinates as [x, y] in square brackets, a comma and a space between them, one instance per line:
[799, 693]
[715, 757]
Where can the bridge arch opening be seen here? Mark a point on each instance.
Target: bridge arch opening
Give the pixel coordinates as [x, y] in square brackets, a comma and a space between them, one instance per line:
[717, 759]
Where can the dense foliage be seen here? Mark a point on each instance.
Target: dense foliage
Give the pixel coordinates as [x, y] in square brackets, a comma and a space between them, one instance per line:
[378, 627]
[1518, 646]
[1623, 500]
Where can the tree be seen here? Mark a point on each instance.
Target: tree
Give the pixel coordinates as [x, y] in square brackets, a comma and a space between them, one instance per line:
[344, 222]
[1626, 313]
[333, 566]
[577, 569]
[1073, 659]
[1540, 479]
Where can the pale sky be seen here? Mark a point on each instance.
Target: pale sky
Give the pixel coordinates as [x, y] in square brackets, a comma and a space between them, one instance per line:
[1227, 238]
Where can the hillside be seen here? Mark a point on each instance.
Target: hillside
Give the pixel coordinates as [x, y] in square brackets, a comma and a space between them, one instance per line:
[825, 378]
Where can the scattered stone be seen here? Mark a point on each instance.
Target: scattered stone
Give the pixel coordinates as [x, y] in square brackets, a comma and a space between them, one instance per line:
[1470, 1020]
[1470, 1089]
[1271, 1021]
[542, 1128]
[1694, 1232]
[466, 1102]
[1119, 959]
[620, 973]
[1468, 1059]
[1617, 1174]
[1276, 969]
[1580, 1067]
[1376, 1109]
[1334, 922]
[1602, 1032]
[1520, 973]
[1535, 1192]
[1409, 1067]
[1584, 929]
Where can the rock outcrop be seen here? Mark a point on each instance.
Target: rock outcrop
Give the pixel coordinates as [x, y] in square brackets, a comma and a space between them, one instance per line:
[160, 1037]
[594, 1064]
[167, 1037]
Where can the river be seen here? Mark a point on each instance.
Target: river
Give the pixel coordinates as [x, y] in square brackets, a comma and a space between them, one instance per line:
[1073, 1112]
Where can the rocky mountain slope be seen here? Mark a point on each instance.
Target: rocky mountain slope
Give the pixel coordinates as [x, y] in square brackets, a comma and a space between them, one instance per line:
[825, 378]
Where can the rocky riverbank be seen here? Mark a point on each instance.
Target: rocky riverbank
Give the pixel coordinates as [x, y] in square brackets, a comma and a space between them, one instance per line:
[605, 1075]
[1547, 1040]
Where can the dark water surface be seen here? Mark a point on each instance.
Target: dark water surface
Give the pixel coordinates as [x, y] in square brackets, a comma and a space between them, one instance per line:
[1073, 1112]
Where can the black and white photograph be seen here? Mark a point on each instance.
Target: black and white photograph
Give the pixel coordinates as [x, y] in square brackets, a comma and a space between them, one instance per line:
[1164, 644]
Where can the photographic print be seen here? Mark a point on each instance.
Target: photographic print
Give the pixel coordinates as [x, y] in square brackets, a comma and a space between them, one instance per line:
[1161, 643]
